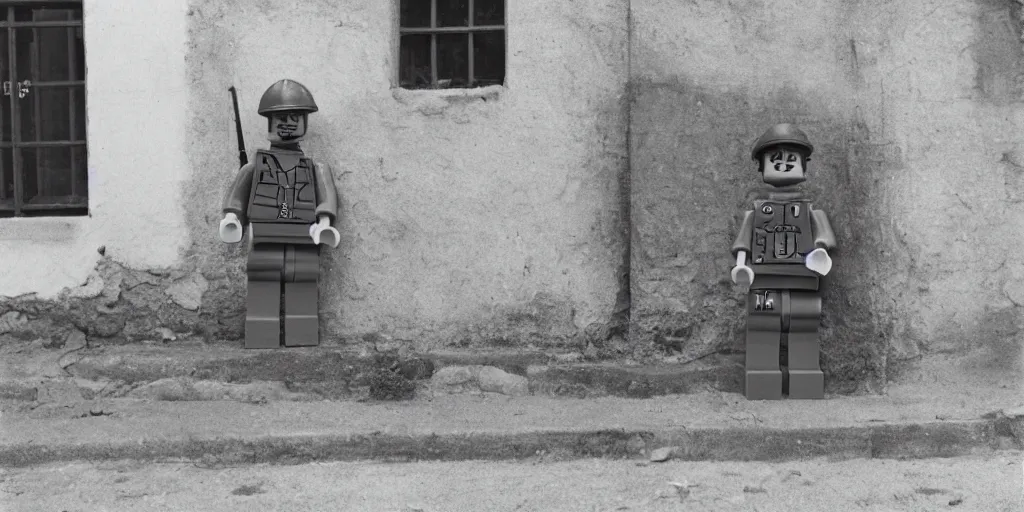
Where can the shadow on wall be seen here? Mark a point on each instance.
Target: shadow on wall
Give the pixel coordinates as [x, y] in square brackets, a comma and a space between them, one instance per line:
[693, 178]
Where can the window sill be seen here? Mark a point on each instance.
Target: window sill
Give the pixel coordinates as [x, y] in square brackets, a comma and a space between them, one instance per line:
[41, 229]
[413, 96]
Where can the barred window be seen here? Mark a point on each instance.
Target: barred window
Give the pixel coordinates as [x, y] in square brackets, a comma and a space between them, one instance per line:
[451, 43]
[42, 110]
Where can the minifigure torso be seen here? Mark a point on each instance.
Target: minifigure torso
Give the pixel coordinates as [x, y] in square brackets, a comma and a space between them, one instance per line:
[283, 199]
[782, 235]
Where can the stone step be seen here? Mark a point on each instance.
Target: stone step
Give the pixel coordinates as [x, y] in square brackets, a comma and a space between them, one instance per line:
[197, 371]
[906, 423]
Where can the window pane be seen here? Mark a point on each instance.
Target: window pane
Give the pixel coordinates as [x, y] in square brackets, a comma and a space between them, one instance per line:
[6, 177]
[452, 13]
[489, 12]
[50, 54]
[49, 110]
[54, 13]
[415, 13]
[414, 63]
[5, 101]
[79, 172]
[452, 61]
[489, 58]
[49, 178]
[77, 99]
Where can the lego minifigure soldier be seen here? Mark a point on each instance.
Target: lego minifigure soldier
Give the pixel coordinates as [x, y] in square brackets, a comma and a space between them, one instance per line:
[289, 203]
[786, 242]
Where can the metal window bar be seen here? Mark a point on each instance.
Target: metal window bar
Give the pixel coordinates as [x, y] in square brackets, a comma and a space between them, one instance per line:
[37, 123]
[40, 24]
[450, 30]
[70, 205]
[12, 61]
[42, 144]
[433, 30]
[433, 44]
[72, 128]
[469, 38]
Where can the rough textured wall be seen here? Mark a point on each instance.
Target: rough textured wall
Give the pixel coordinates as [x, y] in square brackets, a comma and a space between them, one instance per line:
[914, 110]
[493, 217]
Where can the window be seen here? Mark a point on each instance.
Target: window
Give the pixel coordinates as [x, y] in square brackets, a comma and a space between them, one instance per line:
[451, 43]
[43, 169]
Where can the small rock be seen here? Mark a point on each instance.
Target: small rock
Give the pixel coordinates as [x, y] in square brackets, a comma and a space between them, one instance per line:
[165, 334]
[1015, 412]
[682, 489]
[663, 454]
[12, 321]
[452, 376]
[790, 474]
[498, 381]
[164, 389]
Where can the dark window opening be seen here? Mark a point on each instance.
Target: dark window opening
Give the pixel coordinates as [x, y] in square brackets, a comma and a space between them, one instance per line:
[43, 162]
[451, 43]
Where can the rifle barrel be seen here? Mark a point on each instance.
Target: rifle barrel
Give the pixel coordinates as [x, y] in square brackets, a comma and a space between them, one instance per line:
[242, 157]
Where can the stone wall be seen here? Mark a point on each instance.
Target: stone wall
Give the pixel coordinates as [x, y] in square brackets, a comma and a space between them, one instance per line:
[915, 113]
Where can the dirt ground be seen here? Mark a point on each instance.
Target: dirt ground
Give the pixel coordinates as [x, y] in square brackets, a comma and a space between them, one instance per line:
[989, 484]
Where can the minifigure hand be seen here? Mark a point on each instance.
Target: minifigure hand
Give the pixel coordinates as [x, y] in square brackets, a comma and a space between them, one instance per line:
[323, 232]
[742, 275]
[230, 229]
[819, 261]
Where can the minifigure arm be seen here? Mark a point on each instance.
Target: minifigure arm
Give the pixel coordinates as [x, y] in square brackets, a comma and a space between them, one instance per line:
[742, 242]
[236, 200]
[824, 237]
[326, 192]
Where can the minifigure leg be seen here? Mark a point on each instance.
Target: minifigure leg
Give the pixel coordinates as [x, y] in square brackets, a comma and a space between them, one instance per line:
[763, 378]
[263, 297]
[301, 296]
[805, 377]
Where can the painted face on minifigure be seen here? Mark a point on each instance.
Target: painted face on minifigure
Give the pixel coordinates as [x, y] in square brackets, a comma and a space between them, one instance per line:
[286, 127]
[782, 166]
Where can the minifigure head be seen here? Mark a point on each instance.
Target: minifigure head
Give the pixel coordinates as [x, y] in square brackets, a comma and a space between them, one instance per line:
[783, 165]
[286, 105]
[782, 154]
[286, 126]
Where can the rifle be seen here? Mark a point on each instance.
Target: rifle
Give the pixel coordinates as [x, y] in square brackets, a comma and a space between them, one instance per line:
[242, 157]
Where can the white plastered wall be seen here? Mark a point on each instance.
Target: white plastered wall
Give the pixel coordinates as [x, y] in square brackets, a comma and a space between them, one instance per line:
[135, 92]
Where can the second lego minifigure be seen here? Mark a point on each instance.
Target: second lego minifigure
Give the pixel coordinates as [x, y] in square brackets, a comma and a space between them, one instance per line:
[289, 203]
[781, 251]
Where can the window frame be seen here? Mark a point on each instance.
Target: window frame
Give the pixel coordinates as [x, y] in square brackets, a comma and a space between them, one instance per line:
[16, 145]
[433, 31]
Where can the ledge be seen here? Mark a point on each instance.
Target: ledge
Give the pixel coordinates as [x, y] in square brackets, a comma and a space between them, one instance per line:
[41, 229]
[424, 97]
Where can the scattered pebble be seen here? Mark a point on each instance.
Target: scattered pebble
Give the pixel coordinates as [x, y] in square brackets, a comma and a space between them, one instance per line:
[662, 454]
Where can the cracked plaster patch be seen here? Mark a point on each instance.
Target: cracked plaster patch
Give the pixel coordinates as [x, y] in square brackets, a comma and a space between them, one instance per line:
[188, 292]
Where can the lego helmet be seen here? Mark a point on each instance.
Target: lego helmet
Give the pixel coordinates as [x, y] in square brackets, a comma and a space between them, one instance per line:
[287, 96]
[784, 133]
